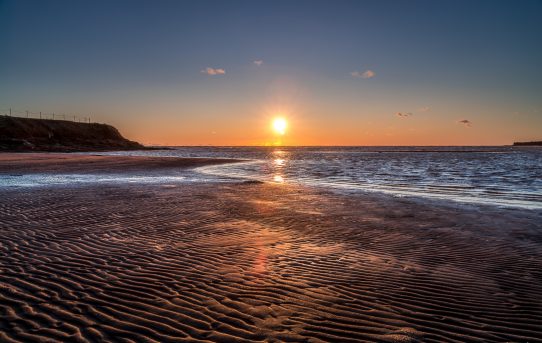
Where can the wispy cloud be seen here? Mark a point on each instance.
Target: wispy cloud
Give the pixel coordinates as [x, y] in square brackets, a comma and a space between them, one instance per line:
[258, 63]
[424, 109]
[465, 122]
[364, 75]
[213, 71]
[403, 114]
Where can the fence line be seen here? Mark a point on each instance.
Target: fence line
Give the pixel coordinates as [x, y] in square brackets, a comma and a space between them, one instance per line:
[11, 112]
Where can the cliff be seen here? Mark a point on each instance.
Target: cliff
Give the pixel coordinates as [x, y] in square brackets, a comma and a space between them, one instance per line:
[25, 134]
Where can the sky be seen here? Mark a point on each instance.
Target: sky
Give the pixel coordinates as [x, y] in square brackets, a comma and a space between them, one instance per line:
[340, 72]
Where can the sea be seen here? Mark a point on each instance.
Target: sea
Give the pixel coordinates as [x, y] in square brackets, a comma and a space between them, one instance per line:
[505, 176]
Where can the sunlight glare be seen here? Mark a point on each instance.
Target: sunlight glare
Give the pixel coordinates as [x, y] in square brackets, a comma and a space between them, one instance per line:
[279, 162]
[279, 126]
[278, 179]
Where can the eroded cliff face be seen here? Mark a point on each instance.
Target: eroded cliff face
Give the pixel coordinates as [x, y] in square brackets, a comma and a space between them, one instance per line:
[26, 134]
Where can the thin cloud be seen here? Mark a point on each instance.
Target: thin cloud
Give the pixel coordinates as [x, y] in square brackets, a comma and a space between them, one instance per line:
[465, 122]
[213, 71]
[403, 114]
[364, 75]
[425, 109]
[258, 63]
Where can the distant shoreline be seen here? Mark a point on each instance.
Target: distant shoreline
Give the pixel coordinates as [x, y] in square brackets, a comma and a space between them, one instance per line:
[534, 143]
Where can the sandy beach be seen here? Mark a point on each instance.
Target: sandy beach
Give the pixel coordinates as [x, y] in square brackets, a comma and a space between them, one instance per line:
[25, 163]
[250, 262]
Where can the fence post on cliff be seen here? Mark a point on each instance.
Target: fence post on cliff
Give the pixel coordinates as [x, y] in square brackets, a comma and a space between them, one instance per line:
[27, 114]
[53, 115]
[10, 111]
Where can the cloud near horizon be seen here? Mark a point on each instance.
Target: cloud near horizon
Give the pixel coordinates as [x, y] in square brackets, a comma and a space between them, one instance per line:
[213, 71]
[258, 62]
[403, 114]
[465, 122]
[425, 109]
[365, 75]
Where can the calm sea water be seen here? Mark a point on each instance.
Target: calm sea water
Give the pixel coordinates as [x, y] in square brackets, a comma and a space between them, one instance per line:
[509, 176]
[504, 176]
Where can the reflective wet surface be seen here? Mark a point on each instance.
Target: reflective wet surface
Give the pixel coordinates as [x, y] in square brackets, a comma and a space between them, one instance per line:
[508, 176]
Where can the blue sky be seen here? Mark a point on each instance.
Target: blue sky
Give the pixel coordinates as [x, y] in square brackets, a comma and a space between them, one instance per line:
[138, 65]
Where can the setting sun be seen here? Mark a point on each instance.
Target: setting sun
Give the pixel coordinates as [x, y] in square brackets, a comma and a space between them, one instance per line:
[280, 125]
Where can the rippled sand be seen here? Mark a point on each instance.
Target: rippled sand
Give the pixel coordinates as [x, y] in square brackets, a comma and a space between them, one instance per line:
[262, 263]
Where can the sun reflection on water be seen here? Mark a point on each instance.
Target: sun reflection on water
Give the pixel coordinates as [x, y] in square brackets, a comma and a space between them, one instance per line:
[279, 162]
[278, 165]
[278, 179]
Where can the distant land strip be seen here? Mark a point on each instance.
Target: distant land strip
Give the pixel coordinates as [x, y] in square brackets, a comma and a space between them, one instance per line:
[534, 143]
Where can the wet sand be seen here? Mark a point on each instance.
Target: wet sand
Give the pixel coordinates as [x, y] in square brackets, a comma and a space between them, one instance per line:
[263, 263]
[79, 163]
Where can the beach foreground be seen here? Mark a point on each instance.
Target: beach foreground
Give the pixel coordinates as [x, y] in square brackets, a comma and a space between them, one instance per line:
[250, 262]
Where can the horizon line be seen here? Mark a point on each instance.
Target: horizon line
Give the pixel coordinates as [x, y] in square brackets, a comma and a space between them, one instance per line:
[323, 146]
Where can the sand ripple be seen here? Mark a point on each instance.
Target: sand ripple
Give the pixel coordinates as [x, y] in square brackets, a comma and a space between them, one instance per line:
[262, 263]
